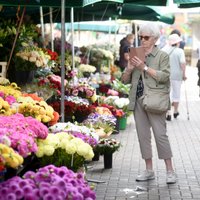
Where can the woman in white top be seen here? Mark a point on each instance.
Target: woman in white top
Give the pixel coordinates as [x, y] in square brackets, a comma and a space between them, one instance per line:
[177, 71]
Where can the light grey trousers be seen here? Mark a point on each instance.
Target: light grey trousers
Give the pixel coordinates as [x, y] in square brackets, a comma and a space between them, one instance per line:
[144, 122]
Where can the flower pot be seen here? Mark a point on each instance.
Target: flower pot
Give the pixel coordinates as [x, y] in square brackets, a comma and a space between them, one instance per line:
[24, 77]
[107, 158]
[96, 156]
[122, 123]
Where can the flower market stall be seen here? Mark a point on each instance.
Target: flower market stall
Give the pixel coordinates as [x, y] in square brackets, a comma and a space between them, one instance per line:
[40, 156]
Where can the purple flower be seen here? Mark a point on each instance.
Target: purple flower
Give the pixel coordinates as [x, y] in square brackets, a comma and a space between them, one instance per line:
[71, 185]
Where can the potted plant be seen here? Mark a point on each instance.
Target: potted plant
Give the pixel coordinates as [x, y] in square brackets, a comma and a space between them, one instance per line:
[106, 147]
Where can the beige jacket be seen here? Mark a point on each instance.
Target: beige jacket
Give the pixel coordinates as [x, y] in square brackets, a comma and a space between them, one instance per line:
[158, 60]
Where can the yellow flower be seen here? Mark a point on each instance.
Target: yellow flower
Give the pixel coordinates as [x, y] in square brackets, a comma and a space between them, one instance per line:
[40, 152]
[70, 148]
[94, 98]
[49, 150]
[85, 150]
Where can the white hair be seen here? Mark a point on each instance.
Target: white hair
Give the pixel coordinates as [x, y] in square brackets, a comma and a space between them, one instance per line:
[152, 29]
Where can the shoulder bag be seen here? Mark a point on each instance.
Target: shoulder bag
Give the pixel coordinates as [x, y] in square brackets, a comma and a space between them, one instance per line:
[155, 100]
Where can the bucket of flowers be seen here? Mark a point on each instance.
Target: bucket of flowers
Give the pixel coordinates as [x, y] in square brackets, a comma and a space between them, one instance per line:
[106, 147]
[120, 103]
[63, 149]
[27, 61]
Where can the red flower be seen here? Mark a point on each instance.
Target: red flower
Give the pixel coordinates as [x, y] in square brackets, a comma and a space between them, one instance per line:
[53, 55]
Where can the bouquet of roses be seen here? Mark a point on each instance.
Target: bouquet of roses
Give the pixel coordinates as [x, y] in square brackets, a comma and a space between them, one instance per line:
[31, 58]
[75, 108]
[82, 90]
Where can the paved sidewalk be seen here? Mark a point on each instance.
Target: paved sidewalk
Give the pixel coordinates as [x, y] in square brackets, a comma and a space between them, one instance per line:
[184, 136]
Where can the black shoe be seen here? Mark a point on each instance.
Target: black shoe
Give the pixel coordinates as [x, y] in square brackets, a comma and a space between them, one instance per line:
[176, 115]
[168, 118]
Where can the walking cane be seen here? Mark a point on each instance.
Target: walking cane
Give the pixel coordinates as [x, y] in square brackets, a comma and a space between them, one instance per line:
[186, 100]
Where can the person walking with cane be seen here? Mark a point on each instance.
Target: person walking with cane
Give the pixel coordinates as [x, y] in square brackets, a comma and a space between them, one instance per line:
[177, 72]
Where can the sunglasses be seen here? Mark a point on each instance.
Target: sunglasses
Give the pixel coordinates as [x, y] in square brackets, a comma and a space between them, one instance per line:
[146, 38]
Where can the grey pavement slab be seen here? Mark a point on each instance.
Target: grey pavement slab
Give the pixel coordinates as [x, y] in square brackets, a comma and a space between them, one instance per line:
[184, 136]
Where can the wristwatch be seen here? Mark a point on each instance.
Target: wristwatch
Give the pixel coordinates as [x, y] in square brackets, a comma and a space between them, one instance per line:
[145, 68]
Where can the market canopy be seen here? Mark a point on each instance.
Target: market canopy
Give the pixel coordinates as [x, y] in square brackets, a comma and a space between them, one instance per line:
[52, 3]
[129, 11]
[97, 26]
[148, 2]
[97, 12]
[187, 3]
[76, 3]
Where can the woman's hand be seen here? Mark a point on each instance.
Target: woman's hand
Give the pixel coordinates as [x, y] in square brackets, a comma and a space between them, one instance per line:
[135, 61]
[129, 67]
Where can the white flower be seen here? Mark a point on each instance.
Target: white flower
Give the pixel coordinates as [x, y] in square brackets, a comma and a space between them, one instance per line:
[32, 59]
[111, 99]
[86, 68]
[121, 102]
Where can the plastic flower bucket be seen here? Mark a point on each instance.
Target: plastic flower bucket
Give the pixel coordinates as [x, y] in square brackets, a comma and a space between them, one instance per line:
[122, 123]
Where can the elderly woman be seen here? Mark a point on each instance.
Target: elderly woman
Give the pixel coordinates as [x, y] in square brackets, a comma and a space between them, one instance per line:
[156, 72]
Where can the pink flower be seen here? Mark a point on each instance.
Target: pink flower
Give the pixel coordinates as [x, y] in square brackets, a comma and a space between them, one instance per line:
[10, 99]
[2, 94]
[112, 92]
[23, 132]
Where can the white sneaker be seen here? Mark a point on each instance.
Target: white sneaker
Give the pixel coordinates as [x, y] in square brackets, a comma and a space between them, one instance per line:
[146, 175]
[171, 177]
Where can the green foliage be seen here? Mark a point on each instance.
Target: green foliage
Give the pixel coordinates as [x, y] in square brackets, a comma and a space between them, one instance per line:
[61, 158]
[8, 30]
[120, 87]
